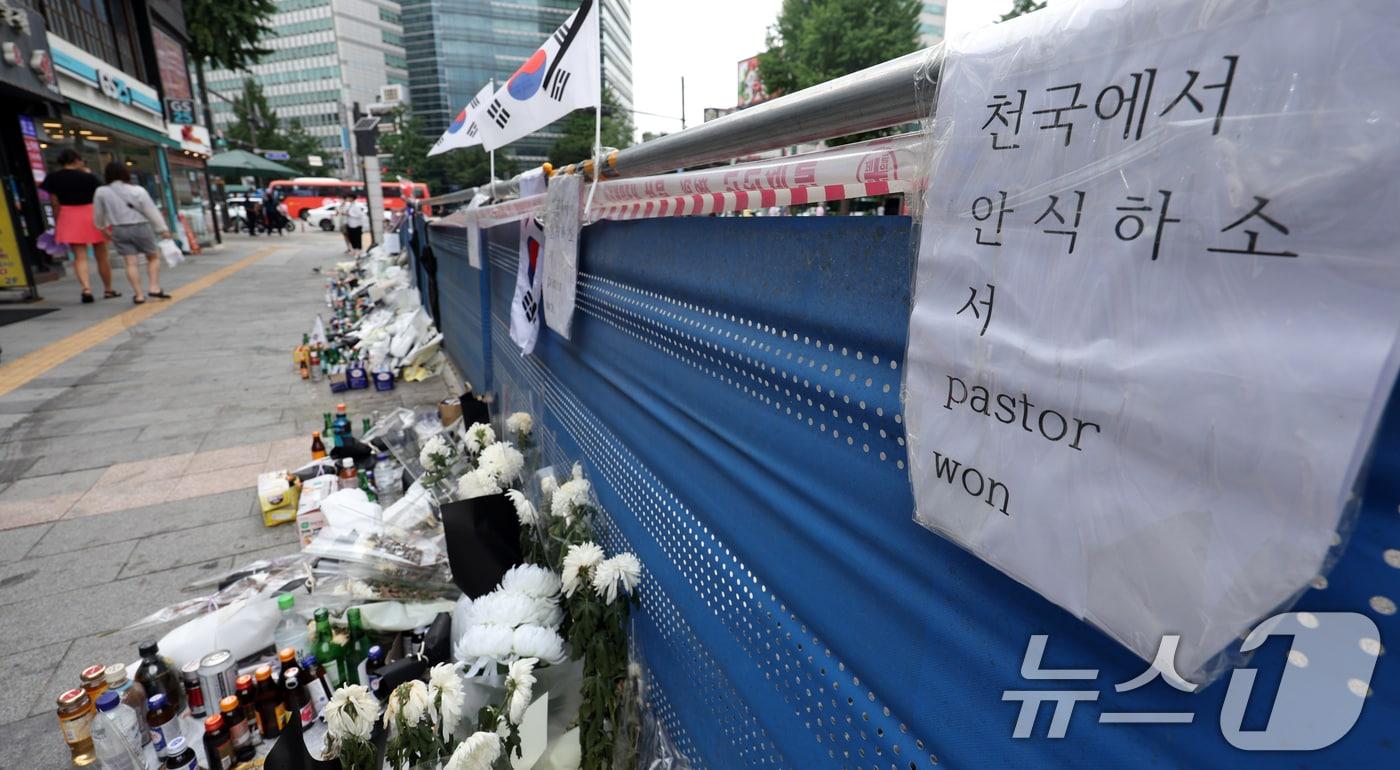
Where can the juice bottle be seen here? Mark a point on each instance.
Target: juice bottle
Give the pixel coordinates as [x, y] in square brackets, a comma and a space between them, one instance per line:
[75, 713]
[318, 448]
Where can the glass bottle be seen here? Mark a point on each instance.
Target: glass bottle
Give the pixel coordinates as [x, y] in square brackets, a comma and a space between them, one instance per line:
[330, 655]
[318, 448]
[374, 662]
[365, 487]
[268, 703]
[163, 720]
[132, 694]
[218, 747]
[357, 652]
[181, 756]
[246, 702]
[75, 713]
[156, 675]
[297, 700]
[319, 689]
[232, 712]
[94, 681]
[348, 478]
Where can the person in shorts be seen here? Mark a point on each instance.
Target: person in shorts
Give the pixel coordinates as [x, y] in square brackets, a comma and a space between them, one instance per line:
[127, 212]
[72, 188]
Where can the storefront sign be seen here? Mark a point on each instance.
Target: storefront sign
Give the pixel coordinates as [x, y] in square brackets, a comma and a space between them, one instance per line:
[174, 74]
[179, 110]
[11, 262]
[25, 62]
[1156, 310]
[192, 138]
[94, 82]
[35, 153]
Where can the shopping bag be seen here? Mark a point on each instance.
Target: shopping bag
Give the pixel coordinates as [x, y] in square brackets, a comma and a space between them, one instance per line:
[171, 252]
[483, 541]
[290, 752]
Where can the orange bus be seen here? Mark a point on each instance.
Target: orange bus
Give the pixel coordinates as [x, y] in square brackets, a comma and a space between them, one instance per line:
[309, 192]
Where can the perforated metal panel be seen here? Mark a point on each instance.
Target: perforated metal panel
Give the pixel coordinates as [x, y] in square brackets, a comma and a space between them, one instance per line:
[732, 389]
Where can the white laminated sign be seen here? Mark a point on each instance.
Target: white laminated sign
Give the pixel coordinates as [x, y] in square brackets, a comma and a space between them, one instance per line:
[561, 233]
[1157, 302]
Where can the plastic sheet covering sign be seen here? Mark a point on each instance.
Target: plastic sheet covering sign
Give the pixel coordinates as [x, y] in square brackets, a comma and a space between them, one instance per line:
[561, 231]
[1156, 304]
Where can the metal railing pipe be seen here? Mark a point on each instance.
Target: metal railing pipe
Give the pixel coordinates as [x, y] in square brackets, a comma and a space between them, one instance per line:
[897, 91]
[885, 95]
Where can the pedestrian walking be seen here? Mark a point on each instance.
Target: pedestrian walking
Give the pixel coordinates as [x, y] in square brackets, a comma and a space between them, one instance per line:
[72, 188]
[133, 221]
[356, 218]
[341, 211]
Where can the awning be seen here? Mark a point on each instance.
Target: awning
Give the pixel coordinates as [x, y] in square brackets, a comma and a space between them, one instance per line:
[94, 115]
[244, 163]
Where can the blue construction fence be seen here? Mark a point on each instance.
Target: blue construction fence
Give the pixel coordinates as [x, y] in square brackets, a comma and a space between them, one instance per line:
[732, 389]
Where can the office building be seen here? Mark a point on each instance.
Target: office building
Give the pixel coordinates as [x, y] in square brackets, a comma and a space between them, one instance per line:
[932, 20]
[326, 56]
[456, 46]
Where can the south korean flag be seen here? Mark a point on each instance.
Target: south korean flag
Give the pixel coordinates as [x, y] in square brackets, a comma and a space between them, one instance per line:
[562, 76]
[465, 130]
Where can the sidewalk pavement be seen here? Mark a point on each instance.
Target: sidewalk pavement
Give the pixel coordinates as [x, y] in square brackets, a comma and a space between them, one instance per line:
[129, 453]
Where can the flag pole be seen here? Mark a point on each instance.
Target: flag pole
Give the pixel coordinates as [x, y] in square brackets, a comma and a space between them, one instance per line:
[597, 154]
[493, 156]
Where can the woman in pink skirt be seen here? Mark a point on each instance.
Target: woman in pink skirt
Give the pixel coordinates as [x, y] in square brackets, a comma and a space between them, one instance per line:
[72, 189]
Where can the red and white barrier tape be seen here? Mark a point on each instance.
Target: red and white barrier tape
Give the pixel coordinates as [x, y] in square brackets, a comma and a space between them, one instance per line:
[877, 167]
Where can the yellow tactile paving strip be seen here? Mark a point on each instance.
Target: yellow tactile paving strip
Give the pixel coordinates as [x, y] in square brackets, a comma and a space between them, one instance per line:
[31, 365]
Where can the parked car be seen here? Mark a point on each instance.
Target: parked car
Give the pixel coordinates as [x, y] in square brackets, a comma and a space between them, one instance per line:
[324, 216]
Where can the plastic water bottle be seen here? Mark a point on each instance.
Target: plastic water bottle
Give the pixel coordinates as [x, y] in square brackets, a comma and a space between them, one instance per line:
[291, 630]
[115, 734]
[388, 477]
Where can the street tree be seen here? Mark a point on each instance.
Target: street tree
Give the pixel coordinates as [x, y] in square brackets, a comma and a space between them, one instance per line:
[300, 144]
[1022, 7]
[254, 122]
[576, 142]
[817, 40]
[226, 35]
[407, 145]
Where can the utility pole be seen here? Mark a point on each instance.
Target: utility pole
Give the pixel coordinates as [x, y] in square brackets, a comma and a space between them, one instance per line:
[209, 124]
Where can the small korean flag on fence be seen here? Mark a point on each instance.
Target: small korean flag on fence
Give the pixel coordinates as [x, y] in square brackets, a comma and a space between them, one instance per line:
[562, 76]
[464, 131]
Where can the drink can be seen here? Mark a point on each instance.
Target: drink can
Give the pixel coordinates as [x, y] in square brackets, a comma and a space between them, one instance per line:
[194, 692]
[218, 676]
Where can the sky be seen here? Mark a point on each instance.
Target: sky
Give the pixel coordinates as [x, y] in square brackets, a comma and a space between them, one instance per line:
[703, 43]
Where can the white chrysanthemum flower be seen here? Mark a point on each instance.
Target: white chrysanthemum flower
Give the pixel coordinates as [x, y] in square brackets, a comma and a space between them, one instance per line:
[437, 451]
[448, 696]
[622, 571]
[569, 497]
[577, 471]
[416, 703]
[520, 423]
[503, 461]
[524, 511]
[531, 580]
[577, 563]
[504, 608]
[493, 642]
[479, 436]
[351, 713]
[537, 642]
[478, 752]
[520, 687]
[549, 485]
[476, 483]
